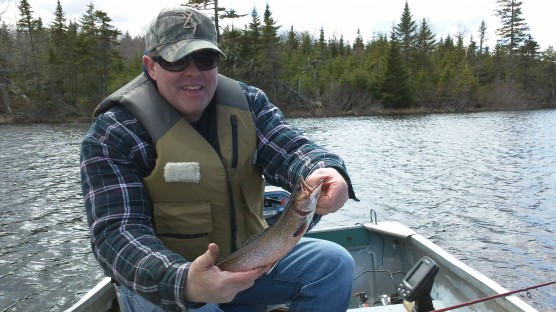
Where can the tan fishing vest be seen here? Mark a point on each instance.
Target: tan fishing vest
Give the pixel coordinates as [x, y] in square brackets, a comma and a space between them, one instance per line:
[198, 197]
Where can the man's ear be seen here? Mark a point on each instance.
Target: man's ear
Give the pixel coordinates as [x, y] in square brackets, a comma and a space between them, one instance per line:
[148, 66]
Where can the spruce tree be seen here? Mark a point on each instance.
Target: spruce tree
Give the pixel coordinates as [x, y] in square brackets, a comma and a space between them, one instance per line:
[514, 30]
[396, 89]
[31, 68]
[424, 45]
[406, 31]
[269, 61]
[58, 76]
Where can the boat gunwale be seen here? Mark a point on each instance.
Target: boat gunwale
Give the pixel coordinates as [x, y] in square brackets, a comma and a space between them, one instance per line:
[90, 301]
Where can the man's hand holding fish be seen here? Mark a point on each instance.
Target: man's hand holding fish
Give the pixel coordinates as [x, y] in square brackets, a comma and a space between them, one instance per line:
[207, 283]
[334, 192]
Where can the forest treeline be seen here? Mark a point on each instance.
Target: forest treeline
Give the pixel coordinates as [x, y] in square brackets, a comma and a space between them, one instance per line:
[61, 71]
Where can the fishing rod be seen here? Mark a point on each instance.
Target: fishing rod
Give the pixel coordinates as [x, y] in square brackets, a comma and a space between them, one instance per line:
[493, 297]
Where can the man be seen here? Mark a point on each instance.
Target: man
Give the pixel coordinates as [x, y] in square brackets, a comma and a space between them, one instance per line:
[172, 181]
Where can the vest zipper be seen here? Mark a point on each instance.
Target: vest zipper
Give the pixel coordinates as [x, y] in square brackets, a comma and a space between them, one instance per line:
[235, 147]
[233, 225]
[232, 215]
[235, 151]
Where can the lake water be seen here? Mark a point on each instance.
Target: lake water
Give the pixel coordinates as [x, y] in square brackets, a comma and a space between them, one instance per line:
[482, 186]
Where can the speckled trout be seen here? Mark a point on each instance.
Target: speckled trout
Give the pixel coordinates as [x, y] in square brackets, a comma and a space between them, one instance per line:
[270, 245]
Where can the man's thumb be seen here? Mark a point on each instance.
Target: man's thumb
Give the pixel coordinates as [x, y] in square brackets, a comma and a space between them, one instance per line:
[209, 257]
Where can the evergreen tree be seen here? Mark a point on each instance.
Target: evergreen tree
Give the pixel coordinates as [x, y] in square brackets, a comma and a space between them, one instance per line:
[342, 49]
[358, 45]
[514, 30]
[31, 70]
[269, 31]
[253, 33]
[251, 45]
[97, 44]
[321, 44]
[396, 89]
[6, 62]
[293, 40]
[528, 68]
[482, 38]
[549, 77]
[72, 64]
[424, 45]
[58, 75]
[480, 72]
[406, 31]
[48, 70]
[292, 66]
[232, 14]
[424, 77]
[107, 45]
[377, 63]
[232, 43]
[87, 60]
[456, 84]
[270, 63]
[334, 47]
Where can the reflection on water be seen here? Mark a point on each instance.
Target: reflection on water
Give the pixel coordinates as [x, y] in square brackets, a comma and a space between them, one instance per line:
[482, 186]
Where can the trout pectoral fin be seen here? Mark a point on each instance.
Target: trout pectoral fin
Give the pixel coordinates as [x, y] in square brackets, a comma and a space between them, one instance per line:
[301, 229]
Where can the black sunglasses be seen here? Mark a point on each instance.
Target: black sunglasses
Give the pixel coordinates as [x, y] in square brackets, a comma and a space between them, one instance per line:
[203, 61]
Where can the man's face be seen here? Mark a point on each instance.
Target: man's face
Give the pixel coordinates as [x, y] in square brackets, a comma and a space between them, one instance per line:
[189, 91]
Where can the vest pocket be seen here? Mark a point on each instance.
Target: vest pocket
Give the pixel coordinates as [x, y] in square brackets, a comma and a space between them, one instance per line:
[184, 228]
[190, 249]
[252, 191]
[182, 218]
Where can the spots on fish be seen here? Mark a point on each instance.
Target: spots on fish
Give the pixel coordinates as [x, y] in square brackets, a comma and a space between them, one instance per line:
[276, 241]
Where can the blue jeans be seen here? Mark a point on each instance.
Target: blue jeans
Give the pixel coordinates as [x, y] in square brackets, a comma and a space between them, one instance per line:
[316, 275]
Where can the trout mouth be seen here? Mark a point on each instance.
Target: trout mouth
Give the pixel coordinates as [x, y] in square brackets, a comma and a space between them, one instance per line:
[309, 197]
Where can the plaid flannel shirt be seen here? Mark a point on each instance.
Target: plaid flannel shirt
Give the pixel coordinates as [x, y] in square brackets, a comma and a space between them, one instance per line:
[117, 153]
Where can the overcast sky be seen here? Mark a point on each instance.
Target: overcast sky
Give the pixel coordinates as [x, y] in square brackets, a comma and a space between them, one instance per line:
[369, 16]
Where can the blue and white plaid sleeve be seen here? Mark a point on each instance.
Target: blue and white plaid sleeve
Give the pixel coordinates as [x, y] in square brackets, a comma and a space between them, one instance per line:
[116, 154]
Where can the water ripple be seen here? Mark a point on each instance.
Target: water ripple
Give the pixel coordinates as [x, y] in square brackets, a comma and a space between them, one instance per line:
[482, 186]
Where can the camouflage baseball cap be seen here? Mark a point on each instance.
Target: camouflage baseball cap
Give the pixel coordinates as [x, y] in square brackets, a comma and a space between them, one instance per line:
[179, 31]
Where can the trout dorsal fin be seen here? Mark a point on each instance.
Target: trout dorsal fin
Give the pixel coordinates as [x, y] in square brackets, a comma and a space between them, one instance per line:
[253, 237]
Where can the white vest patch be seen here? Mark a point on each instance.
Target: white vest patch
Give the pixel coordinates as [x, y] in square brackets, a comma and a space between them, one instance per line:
[189, 172]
